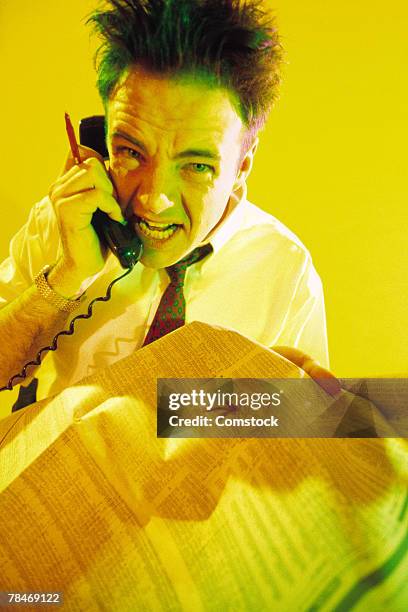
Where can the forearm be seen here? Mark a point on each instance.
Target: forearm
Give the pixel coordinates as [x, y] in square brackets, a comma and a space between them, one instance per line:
[26, 325]
[31, 321]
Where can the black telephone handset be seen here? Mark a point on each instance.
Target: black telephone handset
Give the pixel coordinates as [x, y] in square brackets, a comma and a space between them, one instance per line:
[120, 239]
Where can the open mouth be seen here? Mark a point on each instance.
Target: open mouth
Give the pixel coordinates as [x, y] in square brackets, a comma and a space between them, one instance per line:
[158, 231]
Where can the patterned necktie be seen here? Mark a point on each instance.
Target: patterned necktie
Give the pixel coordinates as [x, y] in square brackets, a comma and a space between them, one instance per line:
[171, 311]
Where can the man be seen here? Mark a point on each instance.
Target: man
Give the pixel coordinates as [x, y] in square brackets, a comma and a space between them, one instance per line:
[186, 87]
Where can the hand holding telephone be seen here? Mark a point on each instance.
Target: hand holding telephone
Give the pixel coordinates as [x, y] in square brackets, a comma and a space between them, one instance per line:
[120, 239]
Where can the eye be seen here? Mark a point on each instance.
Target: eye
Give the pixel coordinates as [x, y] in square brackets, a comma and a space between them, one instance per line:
[199, 168]
[128, 152]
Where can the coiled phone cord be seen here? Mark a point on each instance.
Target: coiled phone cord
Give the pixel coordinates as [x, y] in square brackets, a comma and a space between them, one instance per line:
[66, 332]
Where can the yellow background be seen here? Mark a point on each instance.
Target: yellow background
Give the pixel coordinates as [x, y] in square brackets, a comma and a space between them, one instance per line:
[332, 161]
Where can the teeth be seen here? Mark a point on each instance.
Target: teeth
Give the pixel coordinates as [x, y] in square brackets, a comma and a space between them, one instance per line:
[155, 224]
[159, 234]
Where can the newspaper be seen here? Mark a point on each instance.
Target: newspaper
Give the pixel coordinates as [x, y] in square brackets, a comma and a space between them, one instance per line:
[95, 506]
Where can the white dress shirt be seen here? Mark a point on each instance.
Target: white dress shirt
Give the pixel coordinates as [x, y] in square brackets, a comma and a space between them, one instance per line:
[259, 281]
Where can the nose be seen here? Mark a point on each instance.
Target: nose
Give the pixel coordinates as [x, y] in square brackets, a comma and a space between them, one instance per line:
[155, 203]
[153, 193]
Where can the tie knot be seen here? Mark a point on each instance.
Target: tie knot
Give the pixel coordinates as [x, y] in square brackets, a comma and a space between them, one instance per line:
[177, 271]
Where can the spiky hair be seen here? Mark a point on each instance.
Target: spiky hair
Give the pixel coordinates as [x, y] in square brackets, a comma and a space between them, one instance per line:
[233, 43]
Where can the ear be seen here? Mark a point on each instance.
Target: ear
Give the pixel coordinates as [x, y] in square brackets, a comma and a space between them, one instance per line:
[246, 165]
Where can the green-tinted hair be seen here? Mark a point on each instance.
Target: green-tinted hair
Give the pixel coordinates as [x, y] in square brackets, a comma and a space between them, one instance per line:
[233, 43]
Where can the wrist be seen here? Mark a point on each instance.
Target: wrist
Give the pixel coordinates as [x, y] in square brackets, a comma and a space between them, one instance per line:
[47, 293]
[67, 282]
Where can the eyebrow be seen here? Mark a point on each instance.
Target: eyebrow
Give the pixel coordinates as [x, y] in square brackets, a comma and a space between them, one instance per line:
[198, 153]
[208, 153]
[134, 141]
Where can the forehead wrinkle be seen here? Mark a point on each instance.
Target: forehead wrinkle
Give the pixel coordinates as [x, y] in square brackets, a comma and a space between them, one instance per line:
[171, 100]
[123, 120]
[127, 116]
[160, 100]
[135, 118]
[167, 120]
[197, 144]
[159, 97]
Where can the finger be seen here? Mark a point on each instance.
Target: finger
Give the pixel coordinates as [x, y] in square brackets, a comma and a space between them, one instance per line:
[76, 211]
[90, 174]
[72, 169]
[84, 153]
[293, 354]
[322, 376]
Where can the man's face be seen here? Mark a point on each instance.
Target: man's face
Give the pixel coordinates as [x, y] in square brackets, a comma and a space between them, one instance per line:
[174, 151]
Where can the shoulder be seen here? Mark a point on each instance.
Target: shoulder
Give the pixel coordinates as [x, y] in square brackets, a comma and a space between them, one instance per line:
[268, 238]
[258, 219]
